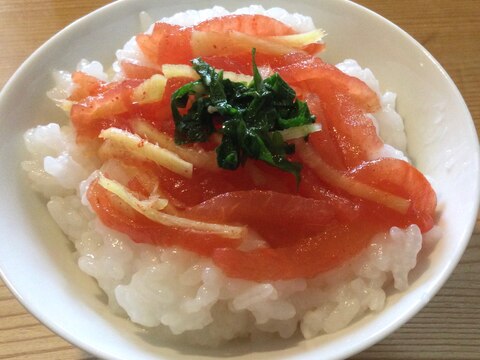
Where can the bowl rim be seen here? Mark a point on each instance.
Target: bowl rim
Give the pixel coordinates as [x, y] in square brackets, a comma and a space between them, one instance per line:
[374, 338]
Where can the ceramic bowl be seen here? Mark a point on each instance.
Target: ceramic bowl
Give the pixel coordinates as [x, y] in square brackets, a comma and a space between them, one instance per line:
[36, 260]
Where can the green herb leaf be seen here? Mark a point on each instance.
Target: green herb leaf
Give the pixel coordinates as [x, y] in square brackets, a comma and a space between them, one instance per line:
[249, 117]
[257, 78]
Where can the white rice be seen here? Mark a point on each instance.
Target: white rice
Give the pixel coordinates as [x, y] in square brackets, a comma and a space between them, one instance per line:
[173, 291]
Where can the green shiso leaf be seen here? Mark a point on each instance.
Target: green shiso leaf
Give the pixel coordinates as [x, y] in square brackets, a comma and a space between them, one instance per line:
[249, 117]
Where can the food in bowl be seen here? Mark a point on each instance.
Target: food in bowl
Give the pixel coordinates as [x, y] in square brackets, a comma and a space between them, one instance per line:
[222, 181]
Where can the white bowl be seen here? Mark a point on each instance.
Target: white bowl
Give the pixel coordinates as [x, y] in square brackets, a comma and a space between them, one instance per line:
[36, 260]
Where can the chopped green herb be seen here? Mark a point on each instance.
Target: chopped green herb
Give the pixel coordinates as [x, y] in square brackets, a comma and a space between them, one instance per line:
[250, 117]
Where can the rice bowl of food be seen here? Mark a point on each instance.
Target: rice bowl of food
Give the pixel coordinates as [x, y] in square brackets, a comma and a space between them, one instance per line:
[192, 235]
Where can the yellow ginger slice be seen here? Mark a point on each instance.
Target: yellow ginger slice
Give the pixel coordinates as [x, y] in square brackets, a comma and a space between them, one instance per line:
[151, 90]
[214, 43]
[148, 207]
[299, 131]
[152, 207]
[65, 105]
[145, 149]
[179, 70]
[123, 173]
[233, 42]
[300, 40]
[234, 77]
[351, 186]
[198, 157]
